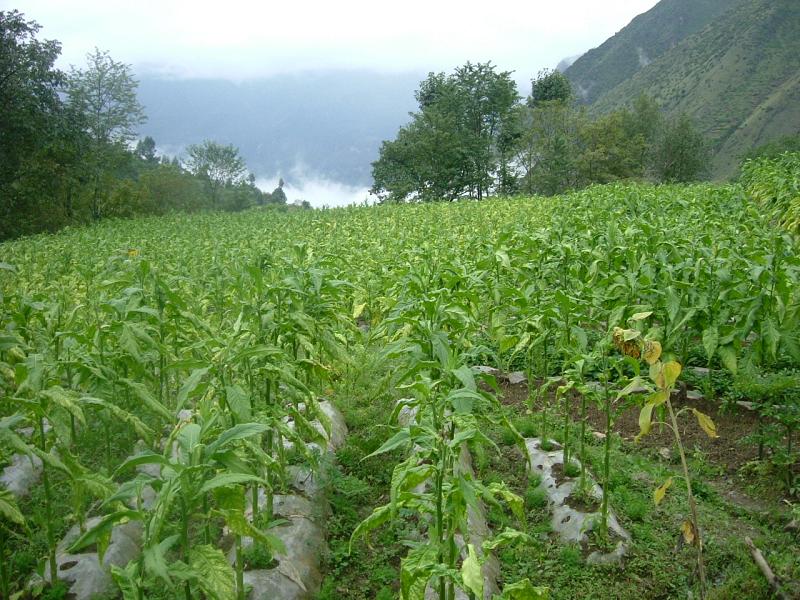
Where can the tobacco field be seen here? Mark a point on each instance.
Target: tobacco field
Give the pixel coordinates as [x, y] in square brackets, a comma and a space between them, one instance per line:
[406, 402]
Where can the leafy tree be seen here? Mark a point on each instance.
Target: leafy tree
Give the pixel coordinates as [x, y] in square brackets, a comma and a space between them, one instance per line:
[550, 86]
[105, 93]
[547, 150]
[278, 196]
[682, 154]
[456, 142]
[37, 135]
[146, 150]
[607, 153]
[219, 166]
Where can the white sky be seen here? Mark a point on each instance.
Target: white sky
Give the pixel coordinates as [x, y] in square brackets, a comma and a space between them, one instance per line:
[237, 39]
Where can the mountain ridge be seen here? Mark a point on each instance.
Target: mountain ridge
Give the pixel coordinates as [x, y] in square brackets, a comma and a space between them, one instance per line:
[737, 77]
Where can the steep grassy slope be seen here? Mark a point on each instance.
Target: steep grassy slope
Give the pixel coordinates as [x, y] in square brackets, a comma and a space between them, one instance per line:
[643, 40]
[739, 78]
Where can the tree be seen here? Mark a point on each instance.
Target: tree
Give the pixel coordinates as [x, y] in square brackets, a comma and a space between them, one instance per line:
[219, 166]
[146, 150]
[547, 149]
[454, 144]
[37, 134]
[278, 196]
[550, 86]
[682, 154]
[105, 95]
[105, 92]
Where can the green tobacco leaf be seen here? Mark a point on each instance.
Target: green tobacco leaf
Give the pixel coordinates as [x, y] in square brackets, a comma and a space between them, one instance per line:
[378, 517]
[126, 580]
[399, 439]
[465, 376]
[523, 590]
[471, 573]
[103, 528]
[239, 402]
[463, 400]
[142, 393]
[727, 354]
[226, 479]
[145, 458]
[9, 509]
[155, 561]
[215, 575]
[188, 387]
[507, 536]
[635, 383]
[710, 341]
[237, 432]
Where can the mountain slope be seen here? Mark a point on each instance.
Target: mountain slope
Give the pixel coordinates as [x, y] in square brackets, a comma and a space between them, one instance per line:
[643, 40]
[739, 78]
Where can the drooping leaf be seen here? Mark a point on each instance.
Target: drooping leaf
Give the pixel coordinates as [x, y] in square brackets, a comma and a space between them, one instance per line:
[661, 491]
[401, 438]
[706, 423]
[523, 590]
[188, 387]
[471, 573]
[689, 532]
[9, 509]
[652, 351]
[672, 370]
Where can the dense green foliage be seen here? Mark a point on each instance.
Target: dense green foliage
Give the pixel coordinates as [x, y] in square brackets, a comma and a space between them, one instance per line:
[472, 137]
[736, 76]
[143, 318]
[65, 155]
[774, 183]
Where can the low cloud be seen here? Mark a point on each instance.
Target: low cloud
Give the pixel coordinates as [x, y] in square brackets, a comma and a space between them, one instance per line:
[317, 190]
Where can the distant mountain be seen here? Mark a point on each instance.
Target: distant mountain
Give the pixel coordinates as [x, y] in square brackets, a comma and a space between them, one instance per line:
[738, 76]
[647, 37]
[324, 124]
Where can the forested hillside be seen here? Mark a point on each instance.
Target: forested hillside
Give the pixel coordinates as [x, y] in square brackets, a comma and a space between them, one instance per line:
[737, 77]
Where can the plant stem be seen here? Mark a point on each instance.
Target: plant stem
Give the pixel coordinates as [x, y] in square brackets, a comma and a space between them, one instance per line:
[699, 541]
[48, 509]
[4, 576]
[239, 569]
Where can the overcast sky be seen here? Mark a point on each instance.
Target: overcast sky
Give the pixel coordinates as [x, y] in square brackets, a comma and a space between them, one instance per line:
[237, 39]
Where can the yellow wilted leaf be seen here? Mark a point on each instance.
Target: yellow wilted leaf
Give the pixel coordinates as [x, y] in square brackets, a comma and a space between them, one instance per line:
[652, 351]
[706, 423]
[133, 252]
[671, 371]
[657, 374]
[358, 309]
[661, 491]
[689, 532]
